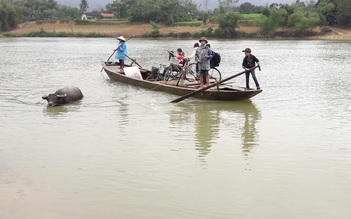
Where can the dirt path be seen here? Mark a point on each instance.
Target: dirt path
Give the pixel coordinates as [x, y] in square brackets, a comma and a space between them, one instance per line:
[339, 34]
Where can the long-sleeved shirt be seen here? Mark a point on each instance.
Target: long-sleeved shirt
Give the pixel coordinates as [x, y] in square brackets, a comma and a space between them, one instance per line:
[193, 54]
[180, 59]
[121, 51]
[201, 53]
[249, 61]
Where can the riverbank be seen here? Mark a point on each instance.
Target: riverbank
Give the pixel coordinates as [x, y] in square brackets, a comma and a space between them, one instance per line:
[70, 29]
[128, 30]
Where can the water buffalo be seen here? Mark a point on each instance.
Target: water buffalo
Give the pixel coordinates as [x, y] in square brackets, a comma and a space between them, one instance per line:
[64, 96]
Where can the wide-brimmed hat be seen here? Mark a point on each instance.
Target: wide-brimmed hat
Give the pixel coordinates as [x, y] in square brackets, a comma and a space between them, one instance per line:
[247, 50]
[121, 38]
[170, 55]
[203, 39]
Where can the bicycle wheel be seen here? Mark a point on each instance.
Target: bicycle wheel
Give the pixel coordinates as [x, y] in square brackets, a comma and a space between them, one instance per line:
[167, 75]
[190, 72]
[171, 74]
[214, 73]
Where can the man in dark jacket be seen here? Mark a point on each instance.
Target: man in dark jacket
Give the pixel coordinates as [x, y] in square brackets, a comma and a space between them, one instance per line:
[249, 62]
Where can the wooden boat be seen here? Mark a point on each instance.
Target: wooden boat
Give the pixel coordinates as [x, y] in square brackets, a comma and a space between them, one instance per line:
[182, 87]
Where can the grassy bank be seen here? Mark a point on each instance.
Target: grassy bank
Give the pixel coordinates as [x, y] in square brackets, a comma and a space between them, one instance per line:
[90, 29]
[43, 33]
[191, 30]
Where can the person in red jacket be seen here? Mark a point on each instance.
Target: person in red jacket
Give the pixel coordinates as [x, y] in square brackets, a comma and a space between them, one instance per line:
[177, 61]
[180, 57]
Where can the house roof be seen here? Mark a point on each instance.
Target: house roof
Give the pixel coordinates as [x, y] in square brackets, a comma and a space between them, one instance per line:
[107, 15]
[92, 14]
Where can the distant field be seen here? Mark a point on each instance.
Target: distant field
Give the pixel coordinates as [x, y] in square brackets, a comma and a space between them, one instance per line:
[98, 29]
[189, 23]
[71, 29]
[253, 15]
[101, 21]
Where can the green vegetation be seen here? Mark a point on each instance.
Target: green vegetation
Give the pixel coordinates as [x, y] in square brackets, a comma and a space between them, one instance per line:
[252, 16]
[167, 12]
[228, 23]
[43, 33]
[300, 19]
[100, 21]
[155, 29]
[250, 19]
[14, 12]
[193, 23]
[297, 19]
[209, 32]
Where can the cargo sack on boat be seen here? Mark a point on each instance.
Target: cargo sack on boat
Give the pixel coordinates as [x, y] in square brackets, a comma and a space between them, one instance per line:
[133, 72]
[154, 71]
[216, 59]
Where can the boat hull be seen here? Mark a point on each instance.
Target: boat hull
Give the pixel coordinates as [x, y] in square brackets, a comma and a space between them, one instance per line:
[226, 93]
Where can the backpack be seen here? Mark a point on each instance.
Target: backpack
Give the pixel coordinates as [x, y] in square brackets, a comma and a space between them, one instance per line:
[216, 59]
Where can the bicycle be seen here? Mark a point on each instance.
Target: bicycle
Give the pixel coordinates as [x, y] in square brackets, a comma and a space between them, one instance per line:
[159, 74]
[191, 73]
[188, 72]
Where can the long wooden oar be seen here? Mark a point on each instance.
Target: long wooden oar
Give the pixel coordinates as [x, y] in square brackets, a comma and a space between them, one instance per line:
[208, 87]
[114, 52]
[134, 61]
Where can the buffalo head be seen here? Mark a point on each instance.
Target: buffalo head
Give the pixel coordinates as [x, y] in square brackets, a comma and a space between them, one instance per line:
[55, 99]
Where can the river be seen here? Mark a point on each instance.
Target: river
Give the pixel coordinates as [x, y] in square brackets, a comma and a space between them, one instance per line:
[126, 152]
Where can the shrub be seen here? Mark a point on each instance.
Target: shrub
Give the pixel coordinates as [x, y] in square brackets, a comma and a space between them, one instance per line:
[155, 29]
[209, 32]
[228, 23]
[326, 30]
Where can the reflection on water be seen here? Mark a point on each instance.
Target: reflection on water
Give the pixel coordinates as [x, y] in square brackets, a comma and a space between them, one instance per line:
[55, 111]
[61, 111]
[123, 112]
[206, 128]
[128, 148]
[209, 118]
[249, 133]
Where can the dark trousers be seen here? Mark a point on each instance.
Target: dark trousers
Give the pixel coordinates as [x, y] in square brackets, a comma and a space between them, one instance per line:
[253, 77]
[121, 64]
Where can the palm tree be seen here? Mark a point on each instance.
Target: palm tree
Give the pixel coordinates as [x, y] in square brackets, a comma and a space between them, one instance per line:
[83, 6]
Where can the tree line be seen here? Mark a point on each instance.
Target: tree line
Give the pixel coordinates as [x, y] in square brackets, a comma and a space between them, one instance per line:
[161, 11]
[13, 13]
[299, 16]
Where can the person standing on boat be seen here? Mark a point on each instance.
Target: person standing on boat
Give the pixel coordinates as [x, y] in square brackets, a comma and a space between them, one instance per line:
[121, 51]
[250, 62]
[203, 57]
[196, 45]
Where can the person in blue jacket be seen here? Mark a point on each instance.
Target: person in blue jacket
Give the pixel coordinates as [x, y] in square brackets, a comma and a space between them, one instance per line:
[121, 51]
